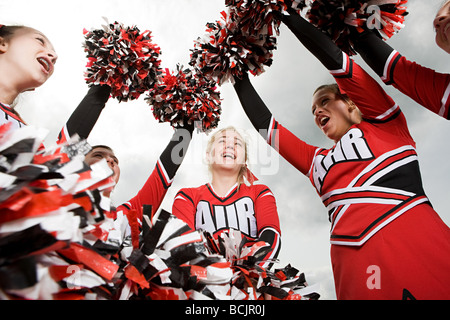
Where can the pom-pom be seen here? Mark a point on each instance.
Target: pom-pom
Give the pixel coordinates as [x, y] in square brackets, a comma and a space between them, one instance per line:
[172, 262]
[250, 280]
[339, 18]
[56, 228]
[186, 98]
[226, 52]
[123, 58]
[261, 16]
[176, 263]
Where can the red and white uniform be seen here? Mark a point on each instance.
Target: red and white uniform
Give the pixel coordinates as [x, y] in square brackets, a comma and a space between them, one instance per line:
[427, 87]
[387, 240]
[249, 209]
[8, 115]
[359, 178]
[371, 186]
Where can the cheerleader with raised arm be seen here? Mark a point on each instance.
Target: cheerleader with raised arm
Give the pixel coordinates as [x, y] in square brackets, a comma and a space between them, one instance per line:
[228, 202]
[387, 242]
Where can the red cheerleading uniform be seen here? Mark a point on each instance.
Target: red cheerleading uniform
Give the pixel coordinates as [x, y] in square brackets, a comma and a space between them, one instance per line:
[387, 240]
[249, 209]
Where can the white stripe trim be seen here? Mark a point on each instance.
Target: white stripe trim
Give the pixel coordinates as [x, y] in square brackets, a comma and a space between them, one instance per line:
[379, 160]
[268, 194]
[363, 200]
[444, 100]
[338, 217]
[370, 167]
[179, 197]
[390, 168]
[311, 167]
[345, 61]
[382, 225]
[364, 189]
[387, 64]
[164, 172]
[269, 134]
[275, 249]
[387, 113]
[227, 194]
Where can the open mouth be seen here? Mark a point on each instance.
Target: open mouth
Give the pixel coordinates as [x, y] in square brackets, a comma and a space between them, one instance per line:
[229, 155]
[45, 64]
[323, 121]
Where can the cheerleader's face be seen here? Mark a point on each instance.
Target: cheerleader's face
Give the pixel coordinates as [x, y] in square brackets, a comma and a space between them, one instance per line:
[100, 153]
[442, 27]
[227, 151]
[30, 57]
[332, 115]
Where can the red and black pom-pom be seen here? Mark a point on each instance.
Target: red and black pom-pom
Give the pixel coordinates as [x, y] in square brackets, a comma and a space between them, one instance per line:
[186, 98]
[339, 18]
[250, 280]
[226, 52]
[261, 17]
[56, 228]
[122, 57]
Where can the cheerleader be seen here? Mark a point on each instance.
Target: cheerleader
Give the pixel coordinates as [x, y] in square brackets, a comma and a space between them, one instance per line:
[387, 242]
[27, 61]
[427, 87]
[228, 202]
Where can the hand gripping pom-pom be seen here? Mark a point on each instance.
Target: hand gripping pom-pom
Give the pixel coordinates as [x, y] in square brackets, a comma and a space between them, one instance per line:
[340, 18]
[123, 58]
[186, 98]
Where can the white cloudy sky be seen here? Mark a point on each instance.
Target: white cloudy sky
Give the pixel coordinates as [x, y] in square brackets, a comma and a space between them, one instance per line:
[286, 87]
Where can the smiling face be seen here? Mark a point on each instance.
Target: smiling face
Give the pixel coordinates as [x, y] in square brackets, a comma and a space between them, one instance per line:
[227, 151]
[442, 26]
[27, 57]
[332, 114]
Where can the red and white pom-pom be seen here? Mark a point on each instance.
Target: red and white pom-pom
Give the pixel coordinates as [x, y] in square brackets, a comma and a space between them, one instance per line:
[226, 52]
[339, 18]
[123, 58]
[186, 98]
[258, 17]
[56, 229]
[250, 280]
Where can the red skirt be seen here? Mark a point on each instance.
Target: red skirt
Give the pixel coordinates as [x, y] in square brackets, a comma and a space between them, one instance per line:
[407, 259]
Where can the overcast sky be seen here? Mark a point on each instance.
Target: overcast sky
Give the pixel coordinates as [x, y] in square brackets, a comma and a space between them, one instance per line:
[286, 87]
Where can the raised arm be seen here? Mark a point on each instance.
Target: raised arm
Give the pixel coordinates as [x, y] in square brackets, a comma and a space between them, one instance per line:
[86, 114]
[427, 87]
[161, 178]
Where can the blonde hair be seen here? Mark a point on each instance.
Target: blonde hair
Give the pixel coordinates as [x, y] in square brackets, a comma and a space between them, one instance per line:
[243, 170]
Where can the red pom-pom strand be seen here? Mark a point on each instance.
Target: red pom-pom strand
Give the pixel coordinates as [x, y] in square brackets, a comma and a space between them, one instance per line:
[123, 58]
